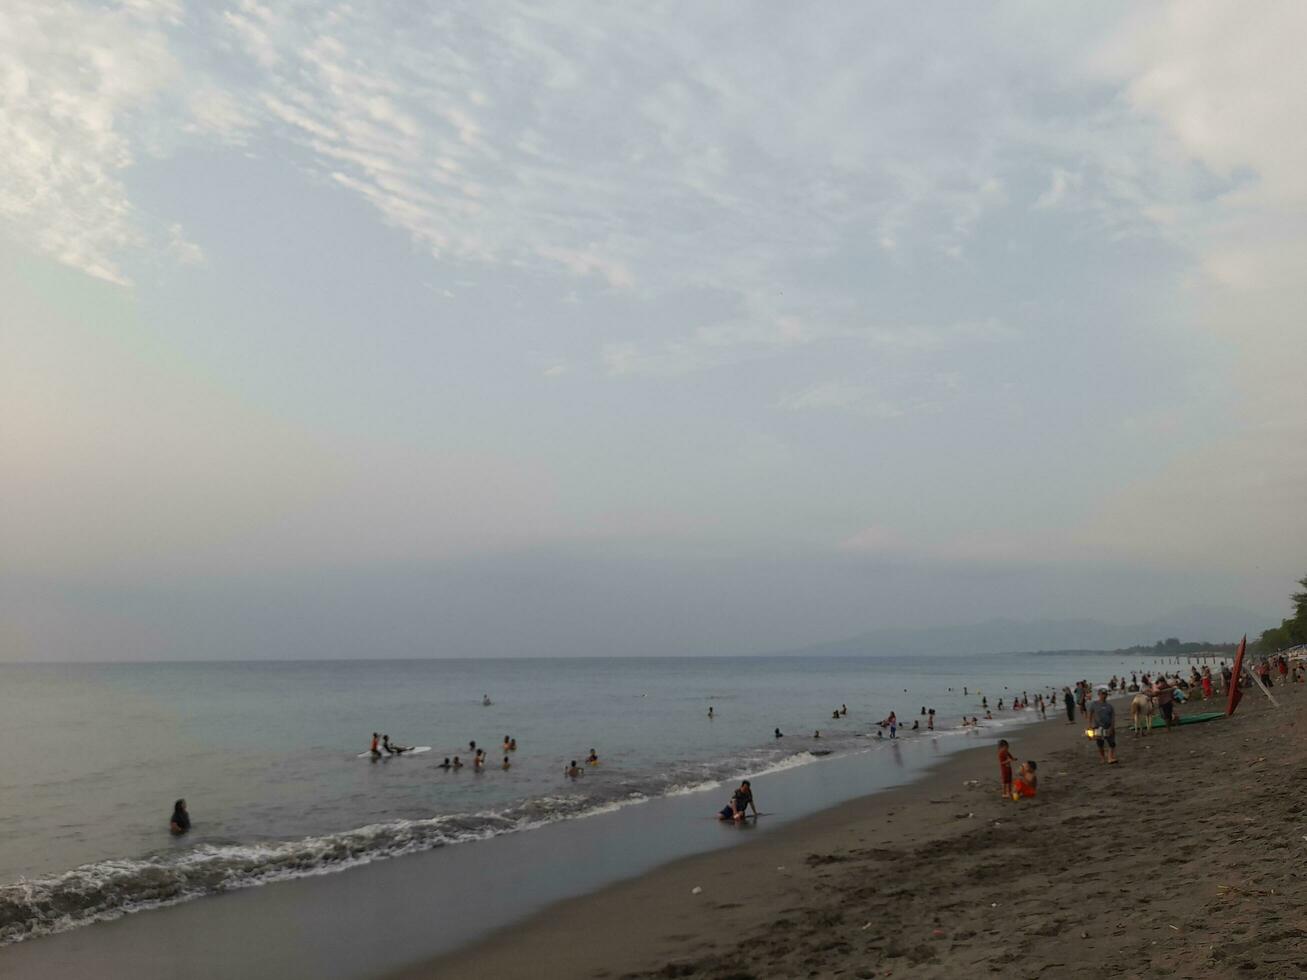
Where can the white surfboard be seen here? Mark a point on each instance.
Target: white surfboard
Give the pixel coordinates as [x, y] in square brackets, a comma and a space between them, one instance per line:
[416, 750]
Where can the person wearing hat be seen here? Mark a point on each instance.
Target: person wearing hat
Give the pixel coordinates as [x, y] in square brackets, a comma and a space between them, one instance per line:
[1103, 717]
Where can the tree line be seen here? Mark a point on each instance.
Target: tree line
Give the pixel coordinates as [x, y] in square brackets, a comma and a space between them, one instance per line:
[1291, 631]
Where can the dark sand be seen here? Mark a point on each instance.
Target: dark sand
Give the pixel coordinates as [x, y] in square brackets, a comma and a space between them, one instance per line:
[1186, 860]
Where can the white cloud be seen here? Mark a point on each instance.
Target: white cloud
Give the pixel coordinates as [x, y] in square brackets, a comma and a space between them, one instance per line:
[185, 251]
[68, 74]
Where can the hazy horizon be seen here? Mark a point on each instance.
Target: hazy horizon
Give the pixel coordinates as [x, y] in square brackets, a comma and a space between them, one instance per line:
[526, 329]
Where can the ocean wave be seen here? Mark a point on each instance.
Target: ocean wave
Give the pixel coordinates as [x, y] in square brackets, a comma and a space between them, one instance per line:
[108, 889]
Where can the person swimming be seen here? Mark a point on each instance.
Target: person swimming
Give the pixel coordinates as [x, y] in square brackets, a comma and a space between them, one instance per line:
[485, 701]
[835, 714]
[592, 759]
[844, 709]
[507, 742]
[573, 771]
[506, 765]
[741, 800]
[180, 821]
[778, 733]
[816, 734]
[446, 764]
[457, 764]
[710, 711]
[478, 760]
[512, 745]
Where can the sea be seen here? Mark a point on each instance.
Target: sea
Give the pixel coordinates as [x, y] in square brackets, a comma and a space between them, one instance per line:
[267, 756]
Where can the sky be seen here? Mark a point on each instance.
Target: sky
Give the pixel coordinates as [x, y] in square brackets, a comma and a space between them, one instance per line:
[465, 329]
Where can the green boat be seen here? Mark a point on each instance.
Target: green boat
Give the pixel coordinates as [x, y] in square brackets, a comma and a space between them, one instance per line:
[1160, 722]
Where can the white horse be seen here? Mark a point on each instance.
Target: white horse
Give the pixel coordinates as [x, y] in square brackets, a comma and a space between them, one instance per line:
[1142, 705]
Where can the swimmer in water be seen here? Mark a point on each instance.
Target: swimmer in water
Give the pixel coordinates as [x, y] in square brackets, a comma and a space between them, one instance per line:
[512, 745]
[592, 759]
[844, 709]
[507, 742]
[778, 733]
[180, 821]
[573, 771]
[816, 734]
[458, 763]
[507, 765]
[445, 765]
[710, 711]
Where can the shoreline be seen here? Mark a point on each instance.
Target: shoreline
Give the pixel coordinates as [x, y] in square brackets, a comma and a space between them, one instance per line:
[303, 926]
[942, 877]
[659, 916]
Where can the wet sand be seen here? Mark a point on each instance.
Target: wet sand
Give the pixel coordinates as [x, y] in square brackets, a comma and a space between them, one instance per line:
[1182, 861]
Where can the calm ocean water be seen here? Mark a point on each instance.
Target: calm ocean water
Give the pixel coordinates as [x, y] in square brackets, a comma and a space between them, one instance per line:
[265, 753]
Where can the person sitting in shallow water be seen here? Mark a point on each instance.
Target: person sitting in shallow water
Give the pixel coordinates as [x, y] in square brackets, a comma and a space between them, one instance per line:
[741, 800]
[180, 822]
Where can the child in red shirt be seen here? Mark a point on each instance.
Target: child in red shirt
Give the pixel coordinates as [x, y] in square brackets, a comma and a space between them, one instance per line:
[1005, 758]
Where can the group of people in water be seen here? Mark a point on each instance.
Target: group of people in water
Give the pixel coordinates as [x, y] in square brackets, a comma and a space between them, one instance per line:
[480, 758]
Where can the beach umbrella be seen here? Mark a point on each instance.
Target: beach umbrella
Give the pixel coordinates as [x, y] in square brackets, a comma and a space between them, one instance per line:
[1235, 692]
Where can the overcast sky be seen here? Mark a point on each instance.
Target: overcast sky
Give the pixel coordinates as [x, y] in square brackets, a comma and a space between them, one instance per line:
[489, 328]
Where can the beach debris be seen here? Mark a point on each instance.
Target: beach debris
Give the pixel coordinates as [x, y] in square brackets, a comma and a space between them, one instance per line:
[696, 890]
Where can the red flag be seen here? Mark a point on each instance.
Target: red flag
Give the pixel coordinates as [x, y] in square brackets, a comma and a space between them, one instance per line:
[1236, 678]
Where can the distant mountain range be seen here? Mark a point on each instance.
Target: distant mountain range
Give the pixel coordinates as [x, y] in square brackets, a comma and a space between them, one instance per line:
[1217, 624]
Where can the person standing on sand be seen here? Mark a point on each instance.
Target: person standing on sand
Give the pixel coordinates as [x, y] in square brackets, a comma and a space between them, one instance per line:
[1165, 694]
[1005, 758]
[1070, 706]
[1103, 718]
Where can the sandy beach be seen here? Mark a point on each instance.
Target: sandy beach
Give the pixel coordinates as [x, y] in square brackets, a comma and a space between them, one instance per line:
[1180, 861]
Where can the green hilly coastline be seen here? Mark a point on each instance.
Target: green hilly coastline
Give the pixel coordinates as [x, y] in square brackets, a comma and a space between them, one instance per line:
[1206, 624]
